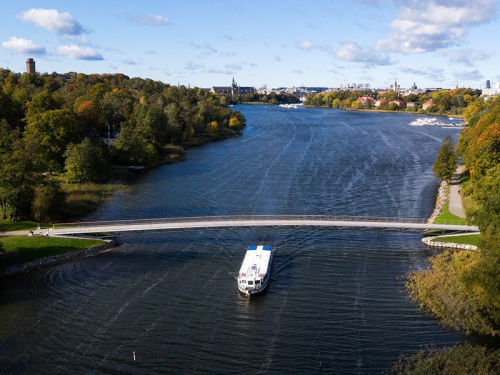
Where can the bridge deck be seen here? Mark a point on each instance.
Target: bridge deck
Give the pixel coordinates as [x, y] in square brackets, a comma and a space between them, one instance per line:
[208, 222]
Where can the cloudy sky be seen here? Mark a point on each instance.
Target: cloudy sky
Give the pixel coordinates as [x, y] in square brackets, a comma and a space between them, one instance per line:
[435, 43]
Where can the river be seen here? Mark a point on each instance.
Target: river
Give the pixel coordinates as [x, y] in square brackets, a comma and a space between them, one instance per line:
[336, 301]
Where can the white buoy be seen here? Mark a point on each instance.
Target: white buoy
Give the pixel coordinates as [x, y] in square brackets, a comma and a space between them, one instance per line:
[133, 355]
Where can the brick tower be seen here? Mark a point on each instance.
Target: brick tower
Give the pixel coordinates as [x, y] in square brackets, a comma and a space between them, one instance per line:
[30, 66]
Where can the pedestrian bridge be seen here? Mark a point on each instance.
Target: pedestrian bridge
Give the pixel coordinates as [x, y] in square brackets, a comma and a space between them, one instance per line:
[253, 221]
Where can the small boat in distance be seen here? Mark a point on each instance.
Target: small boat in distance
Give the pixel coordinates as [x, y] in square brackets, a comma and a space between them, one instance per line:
[421, 121]
[255, 269]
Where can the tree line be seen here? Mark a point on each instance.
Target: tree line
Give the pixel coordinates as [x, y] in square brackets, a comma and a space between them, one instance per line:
[443, 101]
[56, 127]
[463, 288]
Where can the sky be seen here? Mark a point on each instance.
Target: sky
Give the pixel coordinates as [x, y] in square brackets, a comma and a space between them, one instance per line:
[204, 43]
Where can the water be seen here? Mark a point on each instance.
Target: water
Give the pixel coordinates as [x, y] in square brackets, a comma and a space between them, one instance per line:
[335, 301]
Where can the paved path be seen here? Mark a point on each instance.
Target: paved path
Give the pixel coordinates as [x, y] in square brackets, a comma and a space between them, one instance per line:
[455, 200]
[338, 222]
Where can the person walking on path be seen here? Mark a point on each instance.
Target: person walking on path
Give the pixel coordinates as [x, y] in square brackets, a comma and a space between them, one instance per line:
[454, 199]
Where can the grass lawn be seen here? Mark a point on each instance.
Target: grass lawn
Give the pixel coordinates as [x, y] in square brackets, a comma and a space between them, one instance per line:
[22, 249]
[467, 239]
[8, 226]
[448, 218]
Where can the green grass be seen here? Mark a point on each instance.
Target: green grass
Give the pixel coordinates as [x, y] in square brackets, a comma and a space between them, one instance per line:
[448, 218]
[466, 239]
[22, 249]
[8, 226]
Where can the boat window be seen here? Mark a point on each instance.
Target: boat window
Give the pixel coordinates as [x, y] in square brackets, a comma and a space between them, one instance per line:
[243, 281]
[250, 283]
[257, 281]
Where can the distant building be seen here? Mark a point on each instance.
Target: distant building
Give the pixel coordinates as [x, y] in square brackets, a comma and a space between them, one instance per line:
[381, 102]
[489, 91]
[30, 66]
[427, 104]
[400, 103]
[234, 89]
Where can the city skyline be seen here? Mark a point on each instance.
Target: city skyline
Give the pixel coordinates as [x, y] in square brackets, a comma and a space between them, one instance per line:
[439, 43]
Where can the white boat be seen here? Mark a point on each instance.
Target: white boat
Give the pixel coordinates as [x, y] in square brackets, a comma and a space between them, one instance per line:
[421, 121]
[255, 270]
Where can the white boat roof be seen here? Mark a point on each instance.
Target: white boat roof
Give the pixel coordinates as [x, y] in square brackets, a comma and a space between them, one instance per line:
[256, 261]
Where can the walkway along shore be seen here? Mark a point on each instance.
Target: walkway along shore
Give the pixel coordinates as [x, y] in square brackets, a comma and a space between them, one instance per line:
[449, 193]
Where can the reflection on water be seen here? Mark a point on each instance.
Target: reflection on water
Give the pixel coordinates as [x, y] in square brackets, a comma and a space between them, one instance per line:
[335, 297]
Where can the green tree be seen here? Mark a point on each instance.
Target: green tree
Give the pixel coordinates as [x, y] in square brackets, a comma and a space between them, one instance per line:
[132, 148]
[42, 102]
[48, 201]
[55, 130]
[86, 161]
[446, 160]
[20, 169]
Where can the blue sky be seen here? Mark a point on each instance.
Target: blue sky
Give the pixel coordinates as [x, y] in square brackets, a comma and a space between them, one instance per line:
[203, 43]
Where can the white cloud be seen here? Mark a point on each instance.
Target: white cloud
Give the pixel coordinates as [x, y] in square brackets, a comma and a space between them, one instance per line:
[234, 66]
[367, 56]
[192, 66]
[53, 21]
[431, 73]
[468, 56]
[429, 25]
[79, 53]
[206, 48]
[469, 74]
[305, 46]
[23, 46]
[150, 19]
[217, 71]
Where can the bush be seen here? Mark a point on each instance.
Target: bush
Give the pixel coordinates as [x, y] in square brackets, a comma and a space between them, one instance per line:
[441, 290]
[459, 359]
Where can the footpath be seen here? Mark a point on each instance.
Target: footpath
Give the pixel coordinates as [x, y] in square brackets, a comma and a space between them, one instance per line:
[454, 198]
[455, 205]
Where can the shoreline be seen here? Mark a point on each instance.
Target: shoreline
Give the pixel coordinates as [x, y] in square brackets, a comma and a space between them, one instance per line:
[59, 259]
[441, 199]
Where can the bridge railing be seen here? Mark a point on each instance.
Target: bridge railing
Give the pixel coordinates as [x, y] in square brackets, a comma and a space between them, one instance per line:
[239, 218]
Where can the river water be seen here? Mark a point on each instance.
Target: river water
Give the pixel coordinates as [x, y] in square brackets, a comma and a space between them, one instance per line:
[335, 303]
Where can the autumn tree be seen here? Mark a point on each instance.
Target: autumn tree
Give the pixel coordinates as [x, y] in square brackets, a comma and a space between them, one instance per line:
[89, 113]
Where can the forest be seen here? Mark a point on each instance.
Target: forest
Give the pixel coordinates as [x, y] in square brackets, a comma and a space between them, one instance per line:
[57, 129]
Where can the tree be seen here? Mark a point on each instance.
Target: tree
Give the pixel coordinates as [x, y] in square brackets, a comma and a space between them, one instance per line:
[55, 130]
[235, 124]
[20, 169]
[446, 160]
[86, 161]
[42, 102]
[131, 147]
[48, 201]
[90, 114]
